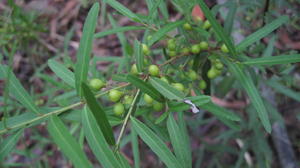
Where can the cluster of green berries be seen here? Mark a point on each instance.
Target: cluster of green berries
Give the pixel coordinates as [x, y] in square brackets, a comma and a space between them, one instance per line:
[216, 69]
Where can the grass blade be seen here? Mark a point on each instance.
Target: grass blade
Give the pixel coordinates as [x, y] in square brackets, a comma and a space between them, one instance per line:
[99, 114]
[85, 48]
[166, 90]
[259, 34]
[145, 87]
[156, 144]
[179, 145]
[16, 89]
[67, 143]
[9, 143]
[274, 60]
[117, 30]
[97, 141]
[62, 72]
[248, 85]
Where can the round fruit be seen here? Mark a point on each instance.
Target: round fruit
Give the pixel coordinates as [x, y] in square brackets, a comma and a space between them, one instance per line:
[212, 73]
[203, 45]
[119, 109]
[164, 79]
[96, 84]
[192, 75]
[153, 70]
[185, 51]
[145, 49]
[224, 48]
[172, 53]
[149, 37]
[171, 46]
[195, 49]
[115, 95]
[134, 70]
[219, 66]
[178, 86]
[187, 26]
[171, 41]
[206, 25]
[157, 106]
[148, 99]
[202, 85]
[128, 99]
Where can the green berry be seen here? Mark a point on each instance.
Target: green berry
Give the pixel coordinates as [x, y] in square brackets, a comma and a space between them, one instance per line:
[164, 79]
[157, 106]
[206, 25]
[212, 73]
[192, 75]
[127, 99]
[153, 70]
[171, 41]
[224, 48]
[171, 46]
[203, 45]
[187, 26]
[185, 51]
[145, 49]
[202, 85]
[172, 53]
[119, 109]
[195, 49]
[134, 70]
[148, 99]
[178, 86]
[115, 95]
[191, 62]
[96, 84]
[149, 37]
[219, 66]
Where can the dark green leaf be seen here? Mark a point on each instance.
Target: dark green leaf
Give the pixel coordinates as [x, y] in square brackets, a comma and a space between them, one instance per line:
[118, 29]
[273, 60]
[9, 144]
[181, 106]
[62, 72]
[139, 56]
[284, 90]
[135, 148]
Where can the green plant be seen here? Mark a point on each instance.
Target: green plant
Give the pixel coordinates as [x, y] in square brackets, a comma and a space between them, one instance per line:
[178, 85]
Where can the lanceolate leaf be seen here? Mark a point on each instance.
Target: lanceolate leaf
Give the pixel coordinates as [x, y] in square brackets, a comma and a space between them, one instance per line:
[166, 90]
[261, 33]
[99, 114]
[117, 30]
[139, 56]
[284, 90]
[181, 106]
[97, 141]
[62, 72]
[67, 143]
[16, 89]
[274, 60]
[145, 87]
[220, 112]
[248, 85]
[85, 48]
[156, 144]
[163, 31]
[135, 148]
[9, 143]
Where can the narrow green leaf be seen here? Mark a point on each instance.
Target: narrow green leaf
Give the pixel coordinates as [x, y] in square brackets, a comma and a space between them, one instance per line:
[9, 143]
[163, 31]
[123, 10]
[284, 90]
[145, 87]
[179, 145]
[259, 34]
[99, 114]
[16, 89]
[120, 77]
[139, 56]
[97, 142]
[166, 90]
[247, 83]
[85, 48]
[220, 112]
[156, 144]
[62, 72]
[274, 60]
[181, 106]
[117, 30]
[67, 143]
[186, 138]
[135, 148]
[122, 160]
[218, 28]
[229, 21]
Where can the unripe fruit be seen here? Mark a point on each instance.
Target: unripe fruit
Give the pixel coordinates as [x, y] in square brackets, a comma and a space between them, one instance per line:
[119, 109]
[192, 75]
[187, 26]
[203, 45]
[145, 49]
[171, 41]
[149, 37]
[157, 106]
[224, 48]
[219, 66]
[185, 51]
[96, 84]
[206, 25]
[195, 49]
[178, 86]
[128, 99]
[202, 85]
[153, 70]
[115, 95]
[171, 46]
[212, 73]
[172, 53]
[148, 99]
[164, 79]
[134, 70]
